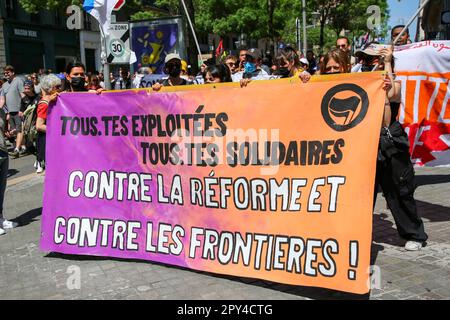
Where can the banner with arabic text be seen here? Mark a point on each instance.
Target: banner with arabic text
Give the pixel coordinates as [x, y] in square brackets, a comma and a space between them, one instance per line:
[424, 71]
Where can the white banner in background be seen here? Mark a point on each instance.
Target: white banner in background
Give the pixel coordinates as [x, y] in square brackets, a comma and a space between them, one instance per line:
[424, 70]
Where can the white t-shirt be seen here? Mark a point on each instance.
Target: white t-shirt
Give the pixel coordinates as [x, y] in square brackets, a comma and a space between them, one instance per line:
[257, 75]
[137, 81]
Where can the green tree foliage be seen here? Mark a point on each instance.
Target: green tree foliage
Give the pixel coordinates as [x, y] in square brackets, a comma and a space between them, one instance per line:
[145, 15]
[273, 19]
[33, 6]
[353, 16]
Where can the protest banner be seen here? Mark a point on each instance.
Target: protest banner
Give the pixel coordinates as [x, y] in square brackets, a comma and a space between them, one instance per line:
[273, 181]
[424, 71]
[153, 39]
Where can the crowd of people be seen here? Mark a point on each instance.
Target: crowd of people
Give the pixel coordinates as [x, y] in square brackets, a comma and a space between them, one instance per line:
[24, 105]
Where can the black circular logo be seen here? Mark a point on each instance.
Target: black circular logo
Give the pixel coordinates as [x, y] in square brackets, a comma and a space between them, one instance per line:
[344, 106]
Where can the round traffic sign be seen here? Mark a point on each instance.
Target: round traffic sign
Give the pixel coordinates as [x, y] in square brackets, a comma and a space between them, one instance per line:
[117, 48]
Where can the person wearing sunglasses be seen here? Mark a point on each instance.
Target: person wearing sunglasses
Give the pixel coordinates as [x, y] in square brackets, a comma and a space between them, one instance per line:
[51, 87]
[35, 79]
[232, 64]
[343, 43]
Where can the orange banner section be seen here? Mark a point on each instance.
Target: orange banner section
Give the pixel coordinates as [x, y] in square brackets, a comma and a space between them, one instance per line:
[322, 236]
[425, 115]
[425, 97]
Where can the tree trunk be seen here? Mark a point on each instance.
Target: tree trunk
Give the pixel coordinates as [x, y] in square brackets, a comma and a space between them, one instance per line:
[271, 8]
[192, 51]
[322, 29]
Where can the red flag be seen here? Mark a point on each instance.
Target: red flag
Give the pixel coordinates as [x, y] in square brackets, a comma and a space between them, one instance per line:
[219, 48]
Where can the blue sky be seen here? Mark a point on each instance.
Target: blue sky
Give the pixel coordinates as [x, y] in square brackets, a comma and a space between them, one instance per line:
[401, 11]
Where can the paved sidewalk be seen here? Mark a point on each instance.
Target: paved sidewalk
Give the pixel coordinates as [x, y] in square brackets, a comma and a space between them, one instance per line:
[28, 273]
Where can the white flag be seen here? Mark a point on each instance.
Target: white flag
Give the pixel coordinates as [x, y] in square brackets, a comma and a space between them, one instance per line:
[101, 11]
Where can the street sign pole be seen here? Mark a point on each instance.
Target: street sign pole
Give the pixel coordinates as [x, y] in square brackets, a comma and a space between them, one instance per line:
[305, 41]
[104, 60]
[193, 31]
[297, 34]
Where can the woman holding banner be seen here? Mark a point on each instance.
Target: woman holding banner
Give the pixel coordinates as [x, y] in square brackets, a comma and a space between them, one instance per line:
[395, 172]
[50, 87]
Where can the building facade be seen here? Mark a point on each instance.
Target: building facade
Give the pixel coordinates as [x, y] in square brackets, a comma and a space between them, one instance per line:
[34, 41]
[2, 46]
[90, 43]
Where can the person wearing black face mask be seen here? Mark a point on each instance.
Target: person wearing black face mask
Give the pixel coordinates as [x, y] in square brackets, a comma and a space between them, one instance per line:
[369, 59]
[282, 72]
[172, 68]
[75, 77]
[289, 64]
[335, 61]
[75, 80]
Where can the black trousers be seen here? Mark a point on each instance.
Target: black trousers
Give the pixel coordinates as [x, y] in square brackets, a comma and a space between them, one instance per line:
[395, 175]
[4, 166]
[40, 146]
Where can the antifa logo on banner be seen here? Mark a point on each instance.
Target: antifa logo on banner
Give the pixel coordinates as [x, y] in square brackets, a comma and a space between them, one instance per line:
[342, 109]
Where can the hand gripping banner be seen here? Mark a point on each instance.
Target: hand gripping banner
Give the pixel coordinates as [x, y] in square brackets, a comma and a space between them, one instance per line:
[273, 181]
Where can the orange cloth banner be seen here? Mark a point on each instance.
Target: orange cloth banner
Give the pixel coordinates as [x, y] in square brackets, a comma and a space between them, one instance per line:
[273, 181]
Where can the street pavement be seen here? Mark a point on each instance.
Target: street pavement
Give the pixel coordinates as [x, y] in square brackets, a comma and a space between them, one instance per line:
[28, 273]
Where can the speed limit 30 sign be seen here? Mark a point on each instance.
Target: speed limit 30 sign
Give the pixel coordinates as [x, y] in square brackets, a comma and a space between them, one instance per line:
[117, 48]
[118, 44]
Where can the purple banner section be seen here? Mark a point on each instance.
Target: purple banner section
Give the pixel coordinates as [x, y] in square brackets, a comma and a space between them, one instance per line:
[90, 139]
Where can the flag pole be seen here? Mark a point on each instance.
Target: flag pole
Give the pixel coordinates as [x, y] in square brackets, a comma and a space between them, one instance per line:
[193, 31]
[425, 2]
